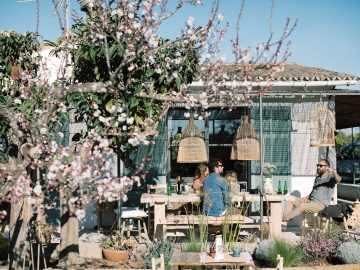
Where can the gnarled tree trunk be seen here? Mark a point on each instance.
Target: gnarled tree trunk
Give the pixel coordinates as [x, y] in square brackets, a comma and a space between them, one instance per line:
[19, 249]
[69, 235]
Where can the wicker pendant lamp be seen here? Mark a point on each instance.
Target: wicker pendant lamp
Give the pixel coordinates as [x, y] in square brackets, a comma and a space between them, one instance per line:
[192, 146]
[245, 144]
[322, 128]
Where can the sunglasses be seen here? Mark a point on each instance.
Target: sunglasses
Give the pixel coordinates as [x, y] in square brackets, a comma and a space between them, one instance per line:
[220, 165]
[320, 165]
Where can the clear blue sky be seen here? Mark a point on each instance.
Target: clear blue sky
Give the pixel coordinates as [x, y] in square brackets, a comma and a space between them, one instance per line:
[327, 35]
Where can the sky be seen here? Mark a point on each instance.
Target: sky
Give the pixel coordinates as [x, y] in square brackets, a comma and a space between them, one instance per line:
[327, 35]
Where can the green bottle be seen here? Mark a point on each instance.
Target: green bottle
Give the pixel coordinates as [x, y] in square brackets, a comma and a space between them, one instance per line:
[169, 189]
[285, 188]
[279, 188]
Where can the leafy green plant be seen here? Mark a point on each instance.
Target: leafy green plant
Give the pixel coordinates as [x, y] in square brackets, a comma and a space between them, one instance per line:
[290, 253]
[349, 252]
[231, 227]
[268, 170]
[269, 249]
[193, 244]
[249, 238]
[3, 242]
[158, 248]
[116, 242]
[196, 242]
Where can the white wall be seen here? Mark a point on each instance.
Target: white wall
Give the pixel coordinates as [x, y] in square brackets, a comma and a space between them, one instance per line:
[301, 187]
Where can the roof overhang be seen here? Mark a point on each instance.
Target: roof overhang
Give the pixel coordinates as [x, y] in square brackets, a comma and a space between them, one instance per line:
[347, 102]
[295, 85]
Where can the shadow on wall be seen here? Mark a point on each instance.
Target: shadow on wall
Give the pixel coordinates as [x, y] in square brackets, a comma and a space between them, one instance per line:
[296, 221]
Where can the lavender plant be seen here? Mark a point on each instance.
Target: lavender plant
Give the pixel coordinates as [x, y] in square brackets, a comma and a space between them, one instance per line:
[318, 244]
[349, 252]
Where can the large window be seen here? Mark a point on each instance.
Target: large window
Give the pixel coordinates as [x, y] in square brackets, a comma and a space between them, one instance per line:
[276, 125]
[218, 132]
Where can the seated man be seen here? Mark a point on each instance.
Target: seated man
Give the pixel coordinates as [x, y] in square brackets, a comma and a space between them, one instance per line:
[319, 197]
[217, 199]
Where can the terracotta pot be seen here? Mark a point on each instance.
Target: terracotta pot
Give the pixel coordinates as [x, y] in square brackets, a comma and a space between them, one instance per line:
[115, 255]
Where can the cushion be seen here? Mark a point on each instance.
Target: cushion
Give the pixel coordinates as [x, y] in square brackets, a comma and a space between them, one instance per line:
[132, 212]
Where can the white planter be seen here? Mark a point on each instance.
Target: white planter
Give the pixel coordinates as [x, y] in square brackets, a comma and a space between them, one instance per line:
[268, 188]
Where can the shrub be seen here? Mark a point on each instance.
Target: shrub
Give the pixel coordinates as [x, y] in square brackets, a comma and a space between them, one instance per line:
[262, 251]
[269, 249]
[193, 245]
[318, 244]
[158, 248]
[349, 252]
[290, 253]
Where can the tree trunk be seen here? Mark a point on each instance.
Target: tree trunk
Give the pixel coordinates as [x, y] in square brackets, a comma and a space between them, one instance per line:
[69, 235]
[19, 248]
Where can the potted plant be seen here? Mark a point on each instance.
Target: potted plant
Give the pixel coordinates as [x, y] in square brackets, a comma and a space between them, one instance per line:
[268, 171]
[115, 247]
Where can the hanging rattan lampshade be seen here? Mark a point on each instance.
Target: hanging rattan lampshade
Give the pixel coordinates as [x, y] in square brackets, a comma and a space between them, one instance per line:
[245, 144]
[322, 128]
[192, 146]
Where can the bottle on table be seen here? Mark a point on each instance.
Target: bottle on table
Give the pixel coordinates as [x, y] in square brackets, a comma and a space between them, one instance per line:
[169, 189]
[279, 188]
[178, 190]
[219, 248]
[285, 188]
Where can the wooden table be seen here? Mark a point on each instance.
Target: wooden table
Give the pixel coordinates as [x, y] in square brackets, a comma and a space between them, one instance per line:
[160, 200]
[192, 259]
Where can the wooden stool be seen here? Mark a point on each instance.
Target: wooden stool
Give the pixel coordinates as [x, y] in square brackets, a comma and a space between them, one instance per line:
[136, 215]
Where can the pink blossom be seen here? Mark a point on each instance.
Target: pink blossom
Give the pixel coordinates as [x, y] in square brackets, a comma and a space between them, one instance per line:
[80, 213]
[190, 21]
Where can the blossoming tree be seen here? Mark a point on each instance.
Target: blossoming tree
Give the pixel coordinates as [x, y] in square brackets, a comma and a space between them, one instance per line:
[123, 79]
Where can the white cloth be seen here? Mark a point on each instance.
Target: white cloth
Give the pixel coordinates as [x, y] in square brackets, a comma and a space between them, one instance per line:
[132, 212]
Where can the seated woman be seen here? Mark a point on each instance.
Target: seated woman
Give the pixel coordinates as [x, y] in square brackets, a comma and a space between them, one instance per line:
[231, 177]
[202, 171]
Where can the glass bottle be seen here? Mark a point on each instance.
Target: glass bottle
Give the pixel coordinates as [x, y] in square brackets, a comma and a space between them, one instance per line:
[169, 189]
[178, 185]
[279, 188]
[219, 248]
[285, 188]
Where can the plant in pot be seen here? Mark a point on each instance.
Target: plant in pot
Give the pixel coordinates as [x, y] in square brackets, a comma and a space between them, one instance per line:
[268, 171]
[115, 247]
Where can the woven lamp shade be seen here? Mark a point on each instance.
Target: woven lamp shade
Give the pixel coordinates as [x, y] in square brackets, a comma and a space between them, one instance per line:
[245, 144]
[322, 128]
[192, 146]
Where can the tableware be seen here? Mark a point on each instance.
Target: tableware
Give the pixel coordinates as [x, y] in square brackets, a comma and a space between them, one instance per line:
[236, 252]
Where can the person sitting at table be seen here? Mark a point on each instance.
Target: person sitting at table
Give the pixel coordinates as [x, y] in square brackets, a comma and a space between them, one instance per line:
[319, 197]
[217, 199]
[202, 171]
[231, 178]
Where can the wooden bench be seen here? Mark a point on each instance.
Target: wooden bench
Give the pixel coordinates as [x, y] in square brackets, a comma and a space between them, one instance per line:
[185, 222]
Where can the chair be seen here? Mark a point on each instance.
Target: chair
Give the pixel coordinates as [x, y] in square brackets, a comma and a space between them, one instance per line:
[341, 220]
[313, 223]
[136, 215]
[155, 262]
[324, 222]
[150, 210]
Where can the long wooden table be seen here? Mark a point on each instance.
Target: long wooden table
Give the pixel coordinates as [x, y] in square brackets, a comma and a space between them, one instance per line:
[160, 200]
